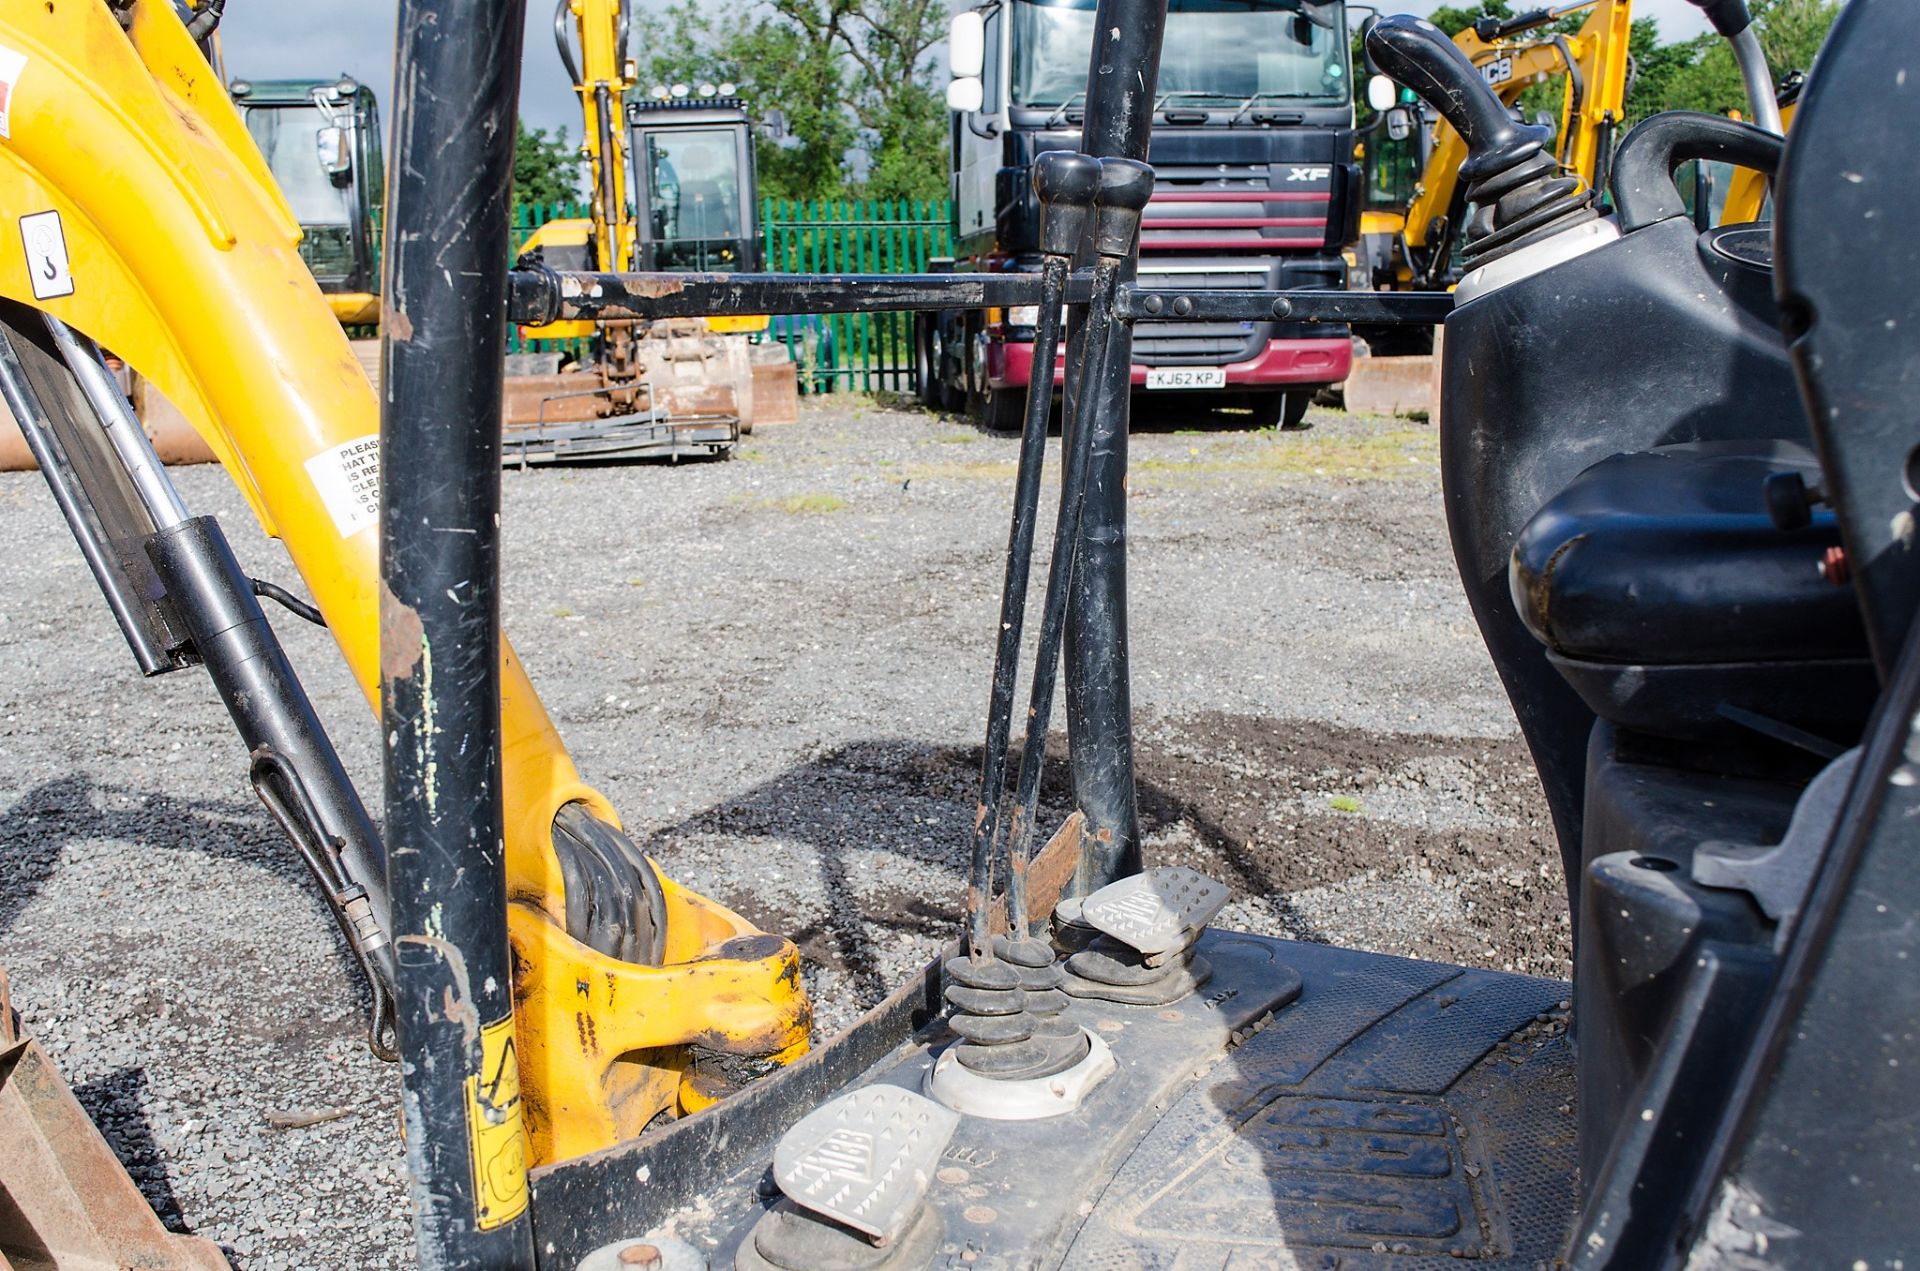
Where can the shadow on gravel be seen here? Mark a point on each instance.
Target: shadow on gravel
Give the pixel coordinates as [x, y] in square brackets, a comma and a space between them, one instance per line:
[42, 822]
[844, 799]
[1156, 413]
[117, 1104]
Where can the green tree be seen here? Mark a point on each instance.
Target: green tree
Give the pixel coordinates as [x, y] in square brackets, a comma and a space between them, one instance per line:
[546, 168]
[1700, 74]
[1792, 31]
[904, 121]
[825, 79]
[793, 78]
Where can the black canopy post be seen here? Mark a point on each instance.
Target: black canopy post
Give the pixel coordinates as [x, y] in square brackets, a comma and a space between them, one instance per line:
[1120, 94]
[456, 95]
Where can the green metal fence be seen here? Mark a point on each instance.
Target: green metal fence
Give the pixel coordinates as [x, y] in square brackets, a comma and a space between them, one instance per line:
[833, 352]
[852, 351]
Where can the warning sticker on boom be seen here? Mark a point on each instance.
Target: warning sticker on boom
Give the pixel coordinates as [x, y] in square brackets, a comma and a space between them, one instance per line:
[348, 478]
[46, 247]
[497, 1130]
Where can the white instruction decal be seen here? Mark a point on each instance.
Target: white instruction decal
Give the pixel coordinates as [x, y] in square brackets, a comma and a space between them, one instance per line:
[47, 265]
[348, 478]
[11, 64]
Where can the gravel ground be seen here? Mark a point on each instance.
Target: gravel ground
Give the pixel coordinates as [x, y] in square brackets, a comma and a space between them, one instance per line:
[776, 667]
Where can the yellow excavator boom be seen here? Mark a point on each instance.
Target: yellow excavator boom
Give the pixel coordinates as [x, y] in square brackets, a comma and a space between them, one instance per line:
[146, 218]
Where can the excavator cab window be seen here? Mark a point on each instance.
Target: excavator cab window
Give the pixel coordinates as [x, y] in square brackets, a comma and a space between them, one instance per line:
[322, 200]
[322, 143]
[695, 198]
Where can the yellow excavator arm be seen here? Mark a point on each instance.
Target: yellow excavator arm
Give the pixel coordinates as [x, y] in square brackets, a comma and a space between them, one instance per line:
[1593, 63]
[602, 80]
[144, 217]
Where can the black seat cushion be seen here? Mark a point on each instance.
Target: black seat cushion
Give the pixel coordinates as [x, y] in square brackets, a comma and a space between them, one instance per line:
[1668, 557]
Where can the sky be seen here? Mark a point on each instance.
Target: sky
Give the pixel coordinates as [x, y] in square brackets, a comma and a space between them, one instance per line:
[299, 39]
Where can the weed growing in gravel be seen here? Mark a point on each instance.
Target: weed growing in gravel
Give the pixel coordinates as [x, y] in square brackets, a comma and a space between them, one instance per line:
[956, 438]
[1344, 803]
[808, 504]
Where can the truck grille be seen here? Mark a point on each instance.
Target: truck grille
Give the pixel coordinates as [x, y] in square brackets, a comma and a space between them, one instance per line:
[1229, 206]
[1203, 343]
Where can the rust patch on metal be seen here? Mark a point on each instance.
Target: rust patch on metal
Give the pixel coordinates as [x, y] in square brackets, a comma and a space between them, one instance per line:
[1053, 866]
[400, 325]
[402, 639]
[657, 286]
[459, 1010]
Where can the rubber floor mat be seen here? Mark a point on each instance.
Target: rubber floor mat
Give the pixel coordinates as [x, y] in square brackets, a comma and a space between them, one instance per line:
[1400, 1114]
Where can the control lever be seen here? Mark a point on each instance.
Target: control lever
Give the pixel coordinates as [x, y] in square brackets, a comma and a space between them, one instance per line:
[1514, 182]
[1066, 184]
[1018, 1057]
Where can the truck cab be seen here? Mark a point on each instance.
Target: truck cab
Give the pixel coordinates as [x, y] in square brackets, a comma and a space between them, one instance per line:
[1255, 187]
[321, 139]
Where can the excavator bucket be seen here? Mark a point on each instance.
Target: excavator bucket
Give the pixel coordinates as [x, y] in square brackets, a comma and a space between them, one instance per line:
[683, 391]
[66, 1202]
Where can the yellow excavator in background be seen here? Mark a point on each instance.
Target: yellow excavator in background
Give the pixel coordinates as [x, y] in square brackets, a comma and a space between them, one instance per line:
[321, 141]
[680, 197]
[1414, 211]
[636, 999]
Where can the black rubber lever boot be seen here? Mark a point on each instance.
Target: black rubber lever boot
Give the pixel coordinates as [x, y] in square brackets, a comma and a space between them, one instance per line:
[1513, 182]
[1125, 187]
[1066, 183]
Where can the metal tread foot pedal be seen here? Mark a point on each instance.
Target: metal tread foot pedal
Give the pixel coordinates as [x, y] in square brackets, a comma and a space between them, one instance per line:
[854, 1174]
[1147, 924]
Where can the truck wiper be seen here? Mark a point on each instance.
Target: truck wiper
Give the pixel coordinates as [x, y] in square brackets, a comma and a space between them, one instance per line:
[1059, 115]
[1170, 94]
[1251, 102]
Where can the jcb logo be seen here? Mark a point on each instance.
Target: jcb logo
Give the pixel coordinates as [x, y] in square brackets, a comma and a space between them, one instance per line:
[1309, 174]
[1498, 71]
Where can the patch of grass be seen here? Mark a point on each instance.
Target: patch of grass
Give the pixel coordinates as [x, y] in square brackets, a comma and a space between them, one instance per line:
[1373, 454]
[815, 504]
[1344, 803]
[563, 612]
[956, 438]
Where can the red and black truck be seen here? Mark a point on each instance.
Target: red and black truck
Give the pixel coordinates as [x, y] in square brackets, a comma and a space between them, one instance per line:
[1256, 186]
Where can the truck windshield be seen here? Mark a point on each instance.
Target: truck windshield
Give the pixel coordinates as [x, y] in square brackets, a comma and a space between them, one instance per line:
[693, 187]
[1216, 52]
[321, 202]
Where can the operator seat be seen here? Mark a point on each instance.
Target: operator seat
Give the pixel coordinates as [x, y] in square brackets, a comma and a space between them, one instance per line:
[1675, 605]
[1670, 600]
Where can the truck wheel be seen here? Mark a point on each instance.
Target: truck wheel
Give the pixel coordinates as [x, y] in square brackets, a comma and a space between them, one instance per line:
[926, 368]
[1003, 410]
[1284, 410]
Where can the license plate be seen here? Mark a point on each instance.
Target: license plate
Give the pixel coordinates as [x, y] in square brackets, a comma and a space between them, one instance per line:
[1187, 377]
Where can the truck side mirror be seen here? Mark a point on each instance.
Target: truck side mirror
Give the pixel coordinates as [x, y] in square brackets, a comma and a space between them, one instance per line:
[1382, 93]
[333, 147]
[1399, 123]
[965, 95]
[967, 45]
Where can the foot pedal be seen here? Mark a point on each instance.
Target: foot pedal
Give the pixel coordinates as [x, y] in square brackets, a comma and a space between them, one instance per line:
[1148, 924]
[1071, 932]
[854, 1174]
